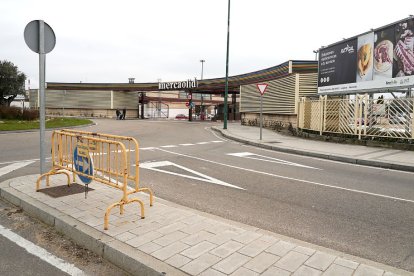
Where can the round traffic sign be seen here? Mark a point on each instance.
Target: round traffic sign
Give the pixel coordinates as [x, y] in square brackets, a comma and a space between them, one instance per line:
[32, 36]
[83, 165]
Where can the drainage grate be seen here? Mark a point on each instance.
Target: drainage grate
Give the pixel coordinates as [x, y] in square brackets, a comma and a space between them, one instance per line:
[61, 191]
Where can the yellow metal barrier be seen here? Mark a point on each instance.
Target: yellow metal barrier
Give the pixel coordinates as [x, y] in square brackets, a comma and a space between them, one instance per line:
[101, 157]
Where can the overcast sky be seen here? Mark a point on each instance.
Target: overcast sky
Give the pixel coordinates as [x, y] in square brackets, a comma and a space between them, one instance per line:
[110, 41]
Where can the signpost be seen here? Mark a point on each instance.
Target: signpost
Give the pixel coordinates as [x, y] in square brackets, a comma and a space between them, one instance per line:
[40, 38]
[83, 163]
[262, 89]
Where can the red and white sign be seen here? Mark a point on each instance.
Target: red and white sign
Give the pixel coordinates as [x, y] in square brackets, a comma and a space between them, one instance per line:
[187, 104]
[262, 88]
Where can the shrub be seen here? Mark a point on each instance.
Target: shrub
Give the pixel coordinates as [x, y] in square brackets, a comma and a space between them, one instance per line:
[10, 113]
[30, 114]
[16, 113]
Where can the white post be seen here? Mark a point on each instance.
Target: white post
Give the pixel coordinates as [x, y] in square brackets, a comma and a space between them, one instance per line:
[261, 114]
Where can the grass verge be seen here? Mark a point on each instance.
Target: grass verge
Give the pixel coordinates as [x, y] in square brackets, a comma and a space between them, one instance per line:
[6, 125]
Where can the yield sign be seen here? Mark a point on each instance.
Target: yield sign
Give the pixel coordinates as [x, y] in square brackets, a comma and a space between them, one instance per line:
[262, 87]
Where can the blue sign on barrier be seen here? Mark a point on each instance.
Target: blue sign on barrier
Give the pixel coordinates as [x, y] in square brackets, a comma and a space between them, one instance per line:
[84, 165]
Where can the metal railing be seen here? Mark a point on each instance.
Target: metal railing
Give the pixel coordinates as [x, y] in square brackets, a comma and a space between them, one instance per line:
[100, 157]
[360, 116]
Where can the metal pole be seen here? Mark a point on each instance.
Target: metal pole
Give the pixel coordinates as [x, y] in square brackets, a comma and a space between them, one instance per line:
[226, 91]
[261, 115]
[42, 61]
[202, 67]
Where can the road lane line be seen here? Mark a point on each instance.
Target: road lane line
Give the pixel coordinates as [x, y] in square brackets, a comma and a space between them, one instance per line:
[14, 166]
[253, 156]
[291, 178]
[185, 145]
[169, 146]
[40, 252]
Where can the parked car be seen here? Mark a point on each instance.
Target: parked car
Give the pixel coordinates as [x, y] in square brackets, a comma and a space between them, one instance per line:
[181, 117]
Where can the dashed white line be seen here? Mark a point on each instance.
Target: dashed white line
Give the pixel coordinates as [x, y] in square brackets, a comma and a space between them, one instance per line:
[185, 145]
[40, 252]
[169, 146]
[202, 143]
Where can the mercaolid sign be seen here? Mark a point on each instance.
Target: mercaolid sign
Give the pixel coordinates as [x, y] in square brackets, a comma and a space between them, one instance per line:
[188, 84]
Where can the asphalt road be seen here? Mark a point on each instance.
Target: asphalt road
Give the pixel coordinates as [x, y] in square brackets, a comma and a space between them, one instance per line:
[363, 211]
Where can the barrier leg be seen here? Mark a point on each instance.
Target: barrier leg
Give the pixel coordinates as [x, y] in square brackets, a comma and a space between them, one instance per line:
[142, 206]
[48, 174]
[108, 212]
[148, 190]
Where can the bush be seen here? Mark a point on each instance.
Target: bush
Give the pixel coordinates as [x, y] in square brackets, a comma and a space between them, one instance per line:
[10, 113]
[30, 114]
[15, 113]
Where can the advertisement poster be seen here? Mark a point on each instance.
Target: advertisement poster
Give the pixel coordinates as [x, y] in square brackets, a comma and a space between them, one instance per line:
[384, 41]
[335, 63]
[404, 57]
[365, 57]
[381, 59]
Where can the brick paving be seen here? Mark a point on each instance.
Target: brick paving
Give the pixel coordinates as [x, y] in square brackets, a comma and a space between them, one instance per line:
[196, 243]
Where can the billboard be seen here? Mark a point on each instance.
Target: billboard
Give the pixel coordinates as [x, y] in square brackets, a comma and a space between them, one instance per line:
[383, 58]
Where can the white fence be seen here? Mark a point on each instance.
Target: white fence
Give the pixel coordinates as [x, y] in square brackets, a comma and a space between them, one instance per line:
[360, 116]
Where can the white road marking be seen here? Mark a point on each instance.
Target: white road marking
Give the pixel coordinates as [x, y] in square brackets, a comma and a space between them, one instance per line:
[169, 146]
[254, 156]
[291, 178]
[155, 166]
[217, 141]
[203, 143]
[329, 161]
[185, 145]
[40, 252]
[148, 148]
[27, 160]
[14, 166]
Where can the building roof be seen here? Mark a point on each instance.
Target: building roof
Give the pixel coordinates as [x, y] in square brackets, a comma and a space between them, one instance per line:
[207, 86]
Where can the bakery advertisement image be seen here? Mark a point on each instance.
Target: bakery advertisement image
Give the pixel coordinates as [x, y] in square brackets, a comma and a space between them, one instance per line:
[382, 58]
[365, 57]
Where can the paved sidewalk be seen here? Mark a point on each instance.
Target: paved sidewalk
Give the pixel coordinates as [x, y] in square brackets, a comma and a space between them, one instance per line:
[176, 240]
[363, 155]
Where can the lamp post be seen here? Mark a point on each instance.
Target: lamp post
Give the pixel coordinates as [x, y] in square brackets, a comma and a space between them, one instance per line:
[316, 54]
[202, 67]
[226, 90]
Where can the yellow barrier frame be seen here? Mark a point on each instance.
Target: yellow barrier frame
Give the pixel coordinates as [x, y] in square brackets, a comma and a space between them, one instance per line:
[63, 146]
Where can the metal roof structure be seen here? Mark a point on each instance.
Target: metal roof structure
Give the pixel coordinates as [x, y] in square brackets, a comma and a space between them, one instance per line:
[206, 86]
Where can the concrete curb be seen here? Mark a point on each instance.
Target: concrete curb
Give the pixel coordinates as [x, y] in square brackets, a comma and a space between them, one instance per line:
[121, 255]
[332, 157]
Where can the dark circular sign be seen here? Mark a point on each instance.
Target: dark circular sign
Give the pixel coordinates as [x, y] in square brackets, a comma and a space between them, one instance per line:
[32, 36]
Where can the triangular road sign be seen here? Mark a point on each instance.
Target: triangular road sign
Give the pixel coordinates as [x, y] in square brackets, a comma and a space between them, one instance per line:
[262, 87]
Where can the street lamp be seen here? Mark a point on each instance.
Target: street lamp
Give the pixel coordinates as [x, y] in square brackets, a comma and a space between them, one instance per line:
[316, 54]
[226, 90]
[202, 67]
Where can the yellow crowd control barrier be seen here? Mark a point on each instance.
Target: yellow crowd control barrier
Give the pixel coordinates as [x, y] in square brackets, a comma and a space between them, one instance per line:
[101, 157]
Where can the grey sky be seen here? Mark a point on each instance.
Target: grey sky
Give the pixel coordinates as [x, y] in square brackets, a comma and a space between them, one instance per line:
[110, 41]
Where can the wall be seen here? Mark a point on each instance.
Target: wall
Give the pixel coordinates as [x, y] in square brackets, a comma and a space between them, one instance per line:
[280, 101]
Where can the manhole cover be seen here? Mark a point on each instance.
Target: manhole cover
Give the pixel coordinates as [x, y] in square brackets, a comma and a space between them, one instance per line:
[61, 191]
